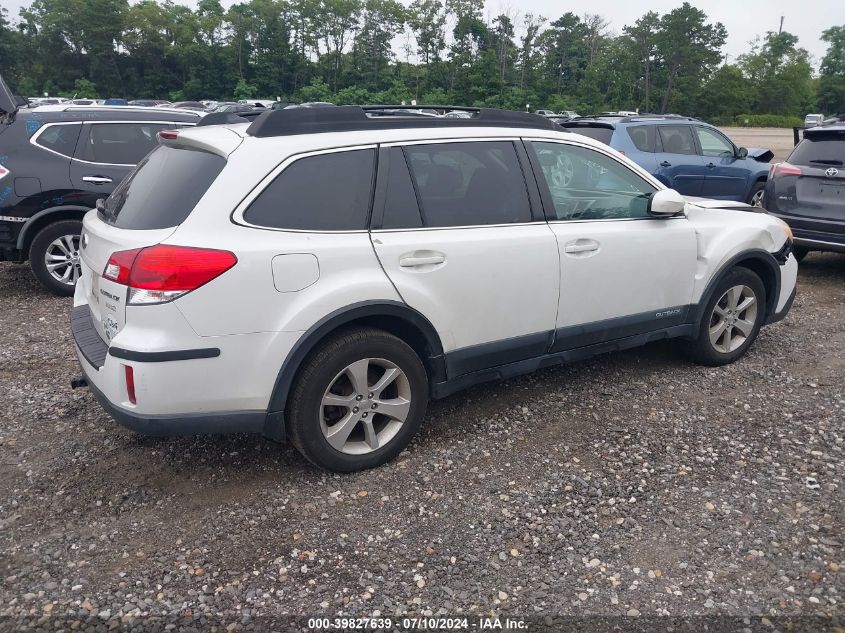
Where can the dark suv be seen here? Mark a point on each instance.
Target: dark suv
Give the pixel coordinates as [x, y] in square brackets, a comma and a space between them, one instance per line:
[55, 162]
[808, 190]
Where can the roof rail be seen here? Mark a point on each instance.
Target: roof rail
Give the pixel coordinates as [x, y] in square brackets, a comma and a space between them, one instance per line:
[230, 118]
[292, 121]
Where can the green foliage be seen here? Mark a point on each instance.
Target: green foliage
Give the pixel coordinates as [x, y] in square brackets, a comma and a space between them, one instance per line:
[84, 89]
[767, 120]
[831, 88]
[317, 90]
[390, 51]
[243, 90]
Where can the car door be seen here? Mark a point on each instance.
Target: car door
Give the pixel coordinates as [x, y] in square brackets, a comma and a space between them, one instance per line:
[457, 232]
[107, 151]
[727, 176]
[622, 271]
[679, 165]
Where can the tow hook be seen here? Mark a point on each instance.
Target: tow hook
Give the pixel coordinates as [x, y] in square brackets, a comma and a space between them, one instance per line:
[79, 382]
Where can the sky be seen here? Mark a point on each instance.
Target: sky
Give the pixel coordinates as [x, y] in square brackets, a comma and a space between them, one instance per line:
[744, 19]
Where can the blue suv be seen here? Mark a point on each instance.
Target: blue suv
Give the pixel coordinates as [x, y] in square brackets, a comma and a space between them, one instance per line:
[688, 155]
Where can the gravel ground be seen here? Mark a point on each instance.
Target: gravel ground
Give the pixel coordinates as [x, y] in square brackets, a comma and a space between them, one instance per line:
[634, 484]
[779, 140]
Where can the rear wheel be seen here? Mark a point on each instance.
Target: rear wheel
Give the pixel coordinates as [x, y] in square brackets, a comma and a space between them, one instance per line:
[357, 401]
[755, 197]
[732, 319]
[54, 256]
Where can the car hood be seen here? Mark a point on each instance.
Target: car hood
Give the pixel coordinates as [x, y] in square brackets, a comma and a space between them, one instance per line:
[707, 203]
[760, 154]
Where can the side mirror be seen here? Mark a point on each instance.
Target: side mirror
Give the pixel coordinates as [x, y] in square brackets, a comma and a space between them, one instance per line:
[666, 203]
[741, 152]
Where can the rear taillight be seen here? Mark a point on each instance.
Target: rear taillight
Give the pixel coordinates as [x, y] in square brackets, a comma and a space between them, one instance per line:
[162, 273]
[168, 135]
[130, 383]
[784, 169]
[3, 172]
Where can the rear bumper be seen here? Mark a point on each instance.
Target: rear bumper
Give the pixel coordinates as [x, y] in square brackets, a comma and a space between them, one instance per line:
[186, 424]
[102, 367]
[815, 234]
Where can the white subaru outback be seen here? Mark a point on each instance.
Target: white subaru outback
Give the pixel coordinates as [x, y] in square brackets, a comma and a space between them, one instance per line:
[319, 274]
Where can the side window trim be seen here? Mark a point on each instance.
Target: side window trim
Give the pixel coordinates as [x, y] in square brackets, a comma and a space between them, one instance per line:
[33, 139]
[237, 216]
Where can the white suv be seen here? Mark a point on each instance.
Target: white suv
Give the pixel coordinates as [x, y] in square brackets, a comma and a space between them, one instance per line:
[319, 274]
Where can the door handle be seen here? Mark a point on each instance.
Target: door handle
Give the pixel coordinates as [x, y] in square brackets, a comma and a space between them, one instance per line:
[421, 258]
[711, 165]
[581, 246]
[665, 163]
[97, 180]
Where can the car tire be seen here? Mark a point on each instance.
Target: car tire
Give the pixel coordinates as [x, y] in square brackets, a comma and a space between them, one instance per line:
[349, 370]
[739, 297]
[54, 254]
[800, 252]
[755, 196]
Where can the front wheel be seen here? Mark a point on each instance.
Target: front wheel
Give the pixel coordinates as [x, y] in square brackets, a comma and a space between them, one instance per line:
[357, 401]
[732, 319]
[54, 256]
[755, 197]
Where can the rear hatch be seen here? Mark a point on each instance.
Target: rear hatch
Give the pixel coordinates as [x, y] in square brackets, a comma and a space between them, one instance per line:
[8, 104]
[820, 188]
[145, 209]
[595, 129]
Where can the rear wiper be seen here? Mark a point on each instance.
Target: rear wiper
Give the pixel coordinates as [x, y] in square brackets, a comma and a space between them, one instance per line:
[826, 161]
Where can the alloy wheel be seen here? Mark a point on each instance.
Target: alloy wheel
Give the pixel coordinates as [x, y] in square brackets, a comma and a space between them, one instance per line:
[733, 318]
[62, 259]
[757, 199]
[365, 406]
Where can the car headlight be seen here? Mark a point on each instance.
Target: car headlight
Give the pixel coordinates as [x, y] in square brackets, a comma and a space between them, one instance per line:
[786, 229]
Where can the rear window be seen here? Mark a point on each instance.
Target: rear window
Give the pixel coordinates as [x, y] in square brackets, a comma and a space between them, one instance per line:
[326, 192]
[163, 189]
[602, 134]
[60, 138]
[827, 148]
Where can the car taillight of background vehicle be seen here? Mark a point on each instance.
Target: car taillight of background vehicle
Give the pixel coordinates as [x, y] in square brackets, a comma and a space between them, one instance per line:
[784, 169]
[168, 135]
[3, 172]
[162, 273]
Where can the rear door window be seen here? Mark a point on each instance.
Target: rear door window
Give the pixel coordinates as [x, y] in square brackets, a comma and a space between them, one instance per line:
[401, 210]
[326, 192]
[469, 184]
[676, 139]
[163, 189]
[826, 148]
[119, 143]
[60, 138]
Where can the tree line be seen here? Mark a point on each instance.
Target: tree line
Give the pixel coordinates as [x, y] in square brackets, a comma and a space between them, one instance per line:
[449, 51]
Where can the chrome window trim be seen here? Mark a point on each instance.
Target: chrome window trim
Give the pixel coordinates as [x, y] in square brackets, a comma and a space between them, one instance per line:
[237, 215]
[46, 126]
[40, 130]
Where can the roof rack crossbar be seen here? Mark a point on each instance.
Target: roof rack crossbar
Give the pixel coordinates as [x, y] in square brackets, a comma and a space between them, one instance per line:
[355, 118]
